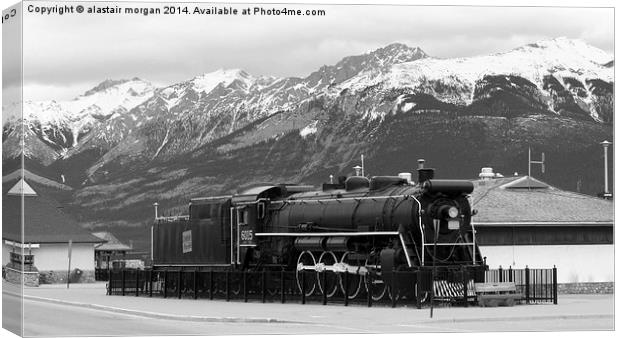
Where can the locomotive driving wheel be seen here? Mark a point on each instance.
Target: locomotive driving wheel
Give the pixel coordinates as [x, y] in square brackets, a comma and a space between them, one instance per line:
[306, 261]
[328, 258]
[377, 286]
[354, 280]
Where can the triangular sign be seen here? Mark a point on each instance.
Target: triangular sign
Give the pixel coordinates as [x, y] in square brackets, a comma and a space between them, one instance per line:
[22, 188]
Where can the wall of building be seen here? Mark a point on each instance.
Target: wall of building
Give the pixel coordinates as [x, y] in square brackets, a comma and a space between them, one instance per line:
[575, 263]
[55, 256]
[6, 250]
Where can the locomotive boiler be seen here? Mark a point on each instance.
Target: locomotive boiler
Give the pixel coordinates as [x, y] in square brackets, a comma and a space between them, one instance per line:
[363, 227]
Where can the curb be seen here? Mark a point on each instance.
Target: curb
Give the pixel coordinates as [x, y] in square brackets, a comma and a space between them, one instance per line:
[156, 315]
[191, 318]
[530, 318]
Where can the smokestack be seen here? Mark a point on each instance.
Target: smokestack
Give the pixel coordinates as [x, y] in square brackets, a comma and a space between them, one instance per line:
[156, 205]
[425, 174]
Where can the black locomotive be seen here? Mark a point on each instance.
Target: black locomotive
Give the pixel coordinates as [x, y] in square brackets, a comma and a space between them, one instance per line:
[358, 226]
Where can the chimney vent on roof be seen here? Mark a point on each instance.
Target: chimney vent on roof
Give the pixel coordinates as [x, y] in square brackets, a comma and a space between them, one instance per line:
[486, 174]
[421, 163]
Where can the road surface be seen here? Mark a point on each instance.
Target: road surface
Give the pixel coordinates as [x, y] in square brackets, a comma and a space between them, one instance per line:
[43, 318]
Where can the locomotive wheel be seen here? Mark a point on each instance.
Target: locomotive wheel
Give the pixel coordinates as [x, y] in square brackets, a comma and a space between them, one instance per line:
[355, 280]
[332, 279]
[306, 258]
[373, 265]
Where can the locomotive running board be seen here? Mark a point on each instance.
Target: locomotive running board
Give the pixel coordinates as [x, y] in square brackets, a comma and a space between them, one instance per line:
[318, 234]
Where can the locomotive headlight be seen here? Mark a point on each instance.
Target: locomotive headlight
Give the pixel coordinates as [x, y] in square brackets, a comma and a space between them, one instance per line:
[453, 212]
[448, 211]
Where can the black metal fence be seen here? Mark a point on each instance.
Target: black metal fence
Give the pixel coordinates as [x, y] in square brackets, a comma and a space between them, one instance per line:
[412, 288]
[536, 285]
[102, 274]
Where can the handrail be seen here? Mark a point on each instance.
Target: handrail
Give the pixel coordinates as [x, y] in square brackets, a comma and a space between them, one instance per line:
[421, 226]
[232, 252]
[322, 200]
[402, 242]
[473, 244]
[318, 234]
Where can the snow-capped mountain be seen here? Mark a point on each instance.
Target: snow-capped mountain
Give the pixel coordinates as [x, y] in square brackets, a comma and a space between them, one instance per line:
[571, 62]
[130, 120]
[62, 124]
[125, 144]
[215, 104]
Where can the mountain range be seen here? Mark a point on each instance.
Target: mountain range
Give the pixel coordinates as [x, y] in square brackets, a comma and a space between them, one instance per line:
[125, 144]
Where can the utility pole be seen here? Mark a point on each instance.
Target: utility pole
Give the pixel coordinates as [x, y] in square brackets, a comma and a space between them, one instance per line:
[606, 194]
[69, 268]
[529, 165]
[530, 162]
[362, 165]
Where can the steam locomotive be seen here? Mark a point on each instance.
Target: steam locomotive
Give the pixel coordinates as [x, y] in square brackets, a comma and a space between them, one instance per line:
[356, 226]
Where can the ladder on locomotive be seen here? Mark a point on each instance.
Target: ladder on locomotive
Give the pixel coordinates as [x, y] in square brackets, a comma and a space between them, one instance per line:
[414, 255]
[471, 246]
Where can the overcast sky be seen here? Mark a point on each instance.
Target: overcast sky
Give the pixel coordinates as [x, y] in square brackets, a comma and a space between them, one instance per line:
[66, 55]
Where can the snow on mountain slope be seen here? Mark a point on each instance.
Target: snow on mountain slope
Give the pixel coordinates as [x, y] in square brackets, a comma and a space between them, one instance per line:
[99, 102]
[560, 57]
[566, 75]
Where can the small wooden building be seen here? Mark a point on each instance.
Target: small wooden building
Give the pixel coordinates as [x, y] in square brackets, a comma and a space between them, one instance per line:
[37, 231]
[111, 254]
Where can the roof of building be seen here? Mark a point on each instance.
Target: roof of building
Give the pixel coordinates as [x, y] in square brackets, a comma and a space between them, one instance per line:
[43, 219]
[112, 243]
[509, 201]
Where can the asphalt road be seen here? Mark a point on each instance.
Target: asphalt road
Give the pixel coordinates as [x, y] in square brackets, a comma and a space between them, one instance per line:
[52, 319]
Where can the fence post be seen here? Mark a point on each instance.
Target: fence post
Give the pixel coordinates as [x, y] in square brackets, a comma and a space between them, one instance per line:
[465, 276]
[393, 288]
[195, 284]
[501, 275]
[282, 291]
[137, 282]
[346, 289]
[303, 287]
[263, 286]
[211, 289]
[527, 285]
[245, 286]
[369, 288]
[227, 286]
[324, 278]
[151, 283]
[166, 283]
[418, 289]
[179, 283]
[510, 279]
[555, 285]
[123, 282]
